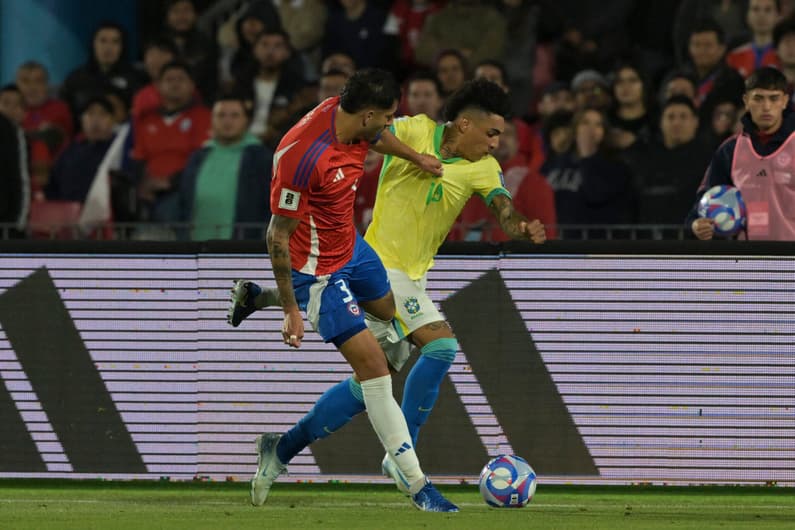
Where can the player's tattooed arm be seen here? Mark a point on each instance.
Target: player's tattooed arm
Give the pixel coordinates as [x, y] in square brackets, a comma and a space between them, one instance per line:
[514, 223]
[278, 239]
[389, 144]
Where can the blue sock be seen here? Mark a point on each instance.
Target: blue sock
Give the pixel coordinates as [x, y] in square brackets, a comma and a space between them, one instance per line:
[333, 410]
[422, 383]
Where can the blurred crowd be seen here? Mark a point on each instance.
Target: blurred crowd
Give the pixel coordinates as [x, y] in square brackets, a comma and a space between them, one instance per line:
[618, 107]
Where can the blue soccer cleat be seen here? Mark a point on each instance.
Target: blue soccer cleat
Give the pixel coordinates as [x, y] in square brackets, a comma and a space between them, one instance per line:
[241, 302]
[428, 499]
[268, 468]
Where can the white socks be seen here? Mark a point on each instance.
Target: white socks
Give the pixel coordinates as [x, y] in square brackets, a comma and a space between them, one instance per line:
[390, 426]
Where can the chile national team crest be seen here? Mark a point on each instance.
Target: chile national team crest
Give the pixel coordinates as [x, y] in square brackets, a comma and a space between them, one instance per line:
[412, 305]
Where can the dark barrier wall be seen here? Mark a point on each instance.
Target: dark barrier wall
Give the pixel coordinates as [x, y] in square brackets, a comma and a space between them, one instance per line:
[610, 363]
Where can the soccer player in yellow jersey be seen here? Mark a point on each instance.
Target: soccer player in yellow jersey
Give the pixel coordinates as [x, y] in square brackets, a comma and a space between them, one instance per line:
[413, 214]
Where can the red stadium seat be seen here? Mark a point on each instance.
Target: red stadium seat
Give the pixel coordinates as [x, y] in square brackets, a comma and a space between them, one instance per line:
[54, 219]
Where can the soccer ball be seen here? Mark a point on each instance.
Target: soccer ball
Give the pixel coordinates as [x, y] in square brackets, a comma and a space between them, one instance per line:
[507, 481]
[725, 206]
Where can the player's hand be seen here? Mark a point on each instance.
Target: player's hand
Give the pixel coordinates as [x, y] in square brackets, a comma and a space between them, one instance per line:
[429, 164]
[534, 230]
[293, 328]
[703, 228]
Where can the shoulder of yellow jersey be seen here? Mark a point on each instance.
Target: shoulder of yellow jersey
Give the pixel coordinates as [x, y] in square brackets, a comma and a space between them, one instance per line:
[412, 129]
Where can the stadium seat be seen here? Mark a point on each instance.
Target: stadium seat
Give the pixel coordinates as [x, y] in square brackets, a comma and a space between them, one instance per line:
[54, 219]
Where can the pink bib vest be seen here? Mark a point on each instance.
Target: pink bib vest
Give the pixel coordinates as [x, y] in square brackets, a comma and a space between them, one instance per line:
[767, 184]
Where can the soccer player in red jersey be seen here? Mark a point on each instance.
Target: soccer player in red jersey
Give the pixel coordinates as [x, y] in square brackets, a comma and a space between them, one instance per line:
[323, 266]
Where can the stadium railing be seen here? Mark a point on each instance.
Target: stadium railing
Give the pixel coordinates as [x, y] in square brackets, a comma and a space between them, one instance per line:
[181, 231]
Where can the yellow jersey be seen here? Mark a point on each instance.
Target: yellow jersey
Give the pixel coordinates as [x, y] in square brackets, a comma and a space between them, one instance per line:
[414, 211]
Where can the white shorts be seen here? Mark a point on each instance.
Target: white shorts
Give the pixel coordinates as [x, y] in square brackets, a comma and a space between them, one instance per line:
[414, 307]
[414, 310]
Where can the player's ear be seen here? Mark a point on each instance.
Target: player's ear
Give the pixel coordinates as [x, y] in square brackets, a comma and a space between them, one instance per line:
[367, 116]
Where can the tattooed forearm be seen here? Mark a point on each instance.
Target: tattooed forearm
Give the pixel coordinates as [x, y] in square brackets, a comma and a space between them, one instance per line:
[509, 219]
[278, 239]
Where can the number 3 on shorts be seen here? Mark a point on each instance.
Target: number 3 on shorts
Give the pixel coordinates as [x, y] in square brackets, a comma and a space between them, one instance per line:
[344, 289]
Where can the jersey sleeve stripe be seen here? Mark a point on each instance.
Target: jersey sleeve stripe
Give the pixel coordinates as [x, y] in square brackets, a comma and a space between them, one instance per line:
[307, 173]
[309, 158]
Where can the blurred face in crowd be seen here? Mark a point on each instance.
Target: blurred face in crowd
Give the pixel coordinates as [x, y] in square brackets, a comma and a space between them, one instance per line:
[32, 82]
[230, 122]
[680, 86]
[271, 51]
[181, 17]
[480, 133]
[176, 88]
[330, 85]
[786, 50]
[706, 50]
[766, 108]
[552, 102]
[589, 132]
[155, 59]
[251, 27]
[12, 106]
[508, 145]
[628, 87]
[450, 72]
[107, 46]
[491, 73]
[97, 123]
[762, 16]
[339, 61]
[422, 97]
[560, 139]
[724, 117]
[352, 5]
[592, 94]
[678, 124]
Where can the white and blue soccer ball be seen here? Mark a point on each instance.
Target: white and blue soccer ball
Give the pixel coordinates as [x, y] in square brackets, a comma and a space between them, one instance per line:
[507, 481]
[725, 206]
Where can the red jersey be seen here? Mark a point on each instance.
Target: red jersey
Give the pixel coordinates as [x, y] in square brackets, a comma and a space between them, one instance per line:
[747, 58]
[315, 179]
[51, 113]
[164, 143]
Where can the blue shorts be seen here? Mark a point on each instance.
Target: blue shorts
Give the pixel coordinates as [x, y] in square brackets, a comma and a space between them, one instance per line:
[332, 301]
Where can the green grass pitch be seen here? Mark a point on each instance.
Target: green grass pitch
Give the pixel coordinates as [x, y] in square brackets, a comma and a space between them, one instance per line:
[84, 505]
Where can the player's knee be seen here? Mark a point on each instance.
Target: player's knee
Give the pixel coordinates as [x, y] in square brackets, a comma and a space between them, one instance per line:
[443, 349]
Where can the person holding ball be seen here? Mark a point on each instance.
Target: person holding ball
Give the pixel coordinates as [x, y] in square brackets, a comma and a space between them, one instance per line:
[759, 162]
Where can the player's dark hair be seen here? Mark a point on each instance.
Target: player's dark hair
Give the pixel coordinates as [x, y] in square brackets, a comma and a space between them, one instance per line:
[479, 94]
[709, 25]
[369, 88]
[767, 78]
